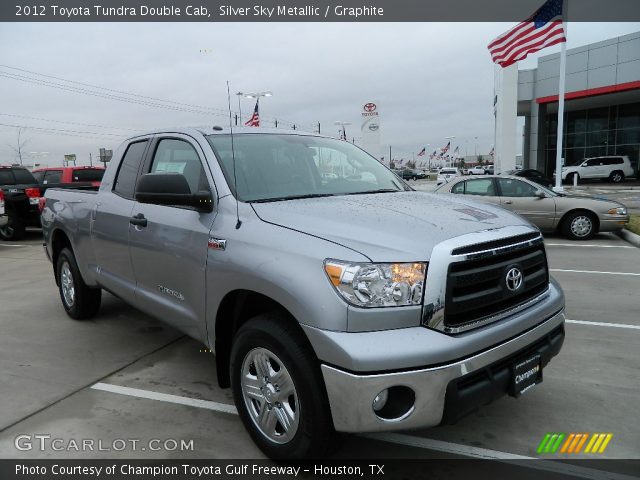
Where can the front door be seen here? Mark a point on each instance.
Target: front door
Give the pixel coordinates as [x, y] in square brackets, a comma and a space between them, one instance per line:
[169, 254]
[520, 197]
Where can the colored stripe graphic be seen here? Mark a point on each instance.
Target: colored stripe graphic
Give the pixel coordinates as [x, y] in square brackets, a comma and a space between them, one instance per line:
[573, 443]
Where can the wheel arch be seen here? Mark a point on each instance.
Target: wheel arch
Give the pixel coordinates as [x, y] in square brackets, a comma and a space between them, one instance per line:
[236, 308]
[59, 241]
[591, 213]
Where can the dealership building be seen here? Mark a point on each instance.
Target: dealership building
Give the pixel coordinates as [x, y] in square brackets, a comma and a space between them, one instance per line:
[602, 104]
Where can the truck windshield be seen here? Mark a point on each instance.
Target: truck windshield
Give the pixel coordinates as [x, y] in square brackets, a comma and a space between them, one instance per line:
[272, 167]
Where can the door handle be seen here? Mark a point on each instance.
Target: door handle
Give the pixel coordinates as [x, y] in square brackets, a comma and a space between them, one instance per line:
[138, 220]
[508, 202]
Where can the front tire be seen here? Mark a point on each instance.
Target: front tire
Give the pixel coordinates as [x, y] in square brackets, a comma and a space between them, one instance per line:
[579, 226]
[278, 389]
[79, 301]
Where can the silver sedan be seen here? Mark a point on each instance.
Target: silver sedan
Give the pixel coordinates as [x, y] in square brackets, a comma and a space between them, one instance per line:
[576, 217]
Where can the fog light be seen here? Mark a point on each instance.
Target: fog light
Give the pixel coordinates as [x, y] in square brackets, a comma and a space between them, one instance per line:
[381, 400]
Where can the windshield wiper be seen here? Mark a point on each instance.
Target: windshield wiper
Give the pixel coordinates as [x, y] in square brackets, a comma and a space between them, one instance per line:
[381, 190]
[293, 197]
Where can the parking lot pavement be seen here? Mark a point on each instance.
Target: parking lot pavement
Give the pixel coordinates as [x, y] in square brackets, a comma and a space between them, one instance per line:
[124, 375]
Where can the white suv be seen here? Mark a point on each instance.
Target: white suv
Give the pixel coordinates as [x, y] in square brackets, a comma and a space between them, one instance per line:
[447, 174]
[613, 168]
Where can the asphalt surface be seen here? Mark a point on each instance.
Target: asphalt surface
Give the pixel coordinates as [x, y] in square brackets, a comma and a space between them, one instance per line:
[50, 365]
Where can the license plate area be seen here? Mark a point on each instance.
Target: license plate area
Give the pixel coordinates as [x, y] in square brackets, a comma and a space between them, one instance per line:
[526, 373]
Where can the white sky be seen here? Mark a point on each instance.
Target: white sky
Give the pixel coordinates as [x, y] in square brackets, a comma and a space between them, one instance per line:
[430, 80]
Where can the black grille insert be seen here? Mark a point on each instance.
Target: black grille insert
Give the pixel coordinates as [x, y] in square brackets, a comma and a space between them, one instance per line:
[503, 242]
[477, 289]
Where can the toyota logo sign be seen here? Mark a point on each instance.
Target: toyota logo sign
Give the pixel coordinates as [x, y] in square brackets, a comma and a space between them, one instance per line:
[369, 107]
[513, 279]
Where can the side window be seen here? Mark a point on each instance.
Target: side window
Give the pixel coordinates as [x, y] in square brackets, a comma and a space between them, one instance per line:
[179, 156]
[127, 175]
[483, 187]
[458, 188]
[52, 176]
[617, 161]
[515, 188]
[593, 162]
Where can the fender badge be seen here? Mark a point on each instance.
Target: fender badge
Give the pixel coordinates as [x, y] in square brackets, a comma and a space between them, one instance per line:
[217, 243]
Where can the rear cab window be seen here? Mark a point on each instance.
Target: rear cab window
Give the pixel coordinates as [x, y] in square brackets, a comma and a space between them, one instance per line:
[23, 176]
[87, 175]
[125, 182]
[52, 176]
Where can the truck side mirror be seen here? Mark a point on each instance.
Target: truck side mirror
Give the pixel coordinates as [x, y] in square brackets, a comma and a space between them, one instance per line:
[171, 189]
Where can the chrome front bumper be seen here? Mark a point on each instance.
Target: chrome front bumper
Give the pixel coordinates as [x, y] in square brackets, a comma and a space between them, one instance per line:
[351, 395]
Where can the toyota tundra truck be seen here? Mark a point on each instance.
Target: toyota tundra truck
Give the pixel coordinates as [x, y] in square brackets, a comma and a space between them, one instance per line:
[335, 297]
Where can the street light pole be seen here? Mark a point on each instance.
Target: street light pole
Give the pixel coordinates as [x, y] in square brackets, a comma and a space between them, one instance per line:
[239, 94]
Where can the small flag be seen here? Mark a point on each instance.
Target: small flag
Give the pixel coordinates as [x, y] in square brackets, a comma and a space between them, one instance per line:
[446, 148]
[492, 151]
[422, 152]
[455, 152]
[254, 121]
[542, 29]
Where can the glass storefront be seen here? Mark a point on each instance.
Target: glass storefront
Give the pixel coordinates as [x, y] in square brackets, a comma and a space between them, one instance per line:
[612, 130]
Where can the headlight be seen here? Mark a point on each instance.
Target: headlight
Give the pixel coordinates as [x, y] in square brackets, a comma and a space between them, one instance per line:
[618, 211]
[377, 284]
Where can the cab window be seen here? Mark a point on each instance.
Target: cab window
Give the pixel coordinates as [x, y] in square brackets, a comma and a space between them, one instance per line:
[179, 156]
[52, 176]
[458, 188]
[515, 188]
[125, 183]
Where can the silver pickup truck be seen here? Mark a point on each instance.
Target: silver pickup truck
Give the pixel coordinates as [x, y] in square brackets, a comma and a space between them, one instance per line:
[335, 297]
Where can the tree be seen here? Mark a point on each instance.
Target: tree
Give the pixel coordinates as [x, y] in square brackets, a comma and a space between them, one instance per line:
[480, 160]
[461, 163]
[19, 147]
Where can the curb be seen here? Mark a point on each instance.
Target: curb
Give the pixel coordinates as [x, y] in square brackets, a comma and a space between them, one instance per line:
[629, 237]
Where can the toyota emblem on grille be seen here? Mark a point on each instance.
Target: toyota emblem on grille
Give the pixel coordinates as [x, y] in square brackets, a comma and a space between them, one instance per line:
[514, 279]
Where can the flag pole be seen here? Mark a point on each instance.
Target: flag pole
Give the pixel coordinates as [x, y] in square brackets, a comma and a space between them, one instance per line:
[561, 88]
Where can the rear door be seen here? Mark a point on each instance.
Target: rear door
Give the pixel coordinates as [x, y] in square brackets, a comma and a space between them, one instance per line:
[520, 197]
[169, 253]
[110, 225]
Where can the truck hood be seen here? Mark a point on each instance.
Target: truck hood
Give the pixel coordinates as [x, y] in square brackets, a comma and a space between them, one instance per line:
[387, 227]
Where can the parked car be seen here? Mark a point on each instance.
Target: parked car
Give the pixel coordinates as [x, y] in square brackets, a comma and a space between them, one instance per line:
[411, 174]
[576, 217]
[61, 175]
[531, 174]
[446, 175]
[611, 168]
[22, 194]
[477, 170]
[465, 171]
[3, 218]
[488, 170]
[314, 296]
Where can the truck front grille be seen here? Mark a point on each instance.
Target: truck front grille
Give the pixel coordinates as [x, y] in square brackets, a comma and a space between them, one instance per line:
[479, 289]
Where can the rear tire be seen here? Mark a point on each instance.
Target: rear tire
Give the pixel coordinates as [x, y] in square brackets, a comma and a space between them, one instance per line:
[579, 225]
[616, 177]
[79, 301]
[13, 230]
[279, 391]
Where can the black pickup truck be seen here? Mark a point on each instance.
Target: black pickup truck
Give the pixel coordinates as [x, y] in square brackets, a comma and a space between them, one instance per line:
[22, 193]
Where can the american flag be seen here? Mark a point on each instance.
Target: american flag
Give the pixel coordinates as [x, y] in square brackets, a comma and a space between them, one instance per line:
[542, 29]
[455, 152]
[492, 151]
[254, 121]
[446, 148]
[422, 152]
